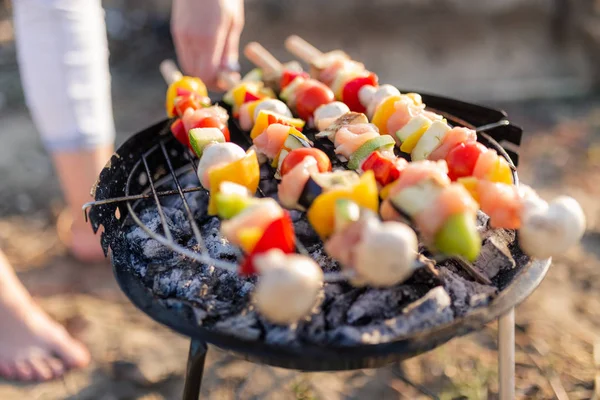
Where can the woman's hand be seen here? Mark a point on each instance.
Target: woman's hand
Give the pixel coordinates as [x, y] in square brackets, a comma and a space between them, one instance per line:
[207, 35]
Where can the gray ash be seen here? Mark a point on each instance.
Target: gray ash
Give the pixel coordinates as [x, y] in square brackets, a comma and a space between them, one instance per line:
[435, 294]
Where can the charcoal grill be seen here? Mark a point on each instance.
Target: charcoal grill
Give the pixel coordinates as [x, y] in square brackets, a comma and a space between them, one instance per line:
[152, 156]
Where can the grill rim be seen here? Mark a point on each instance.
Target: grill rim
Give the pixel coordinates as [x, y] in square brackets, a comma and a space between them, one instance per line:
[308, 357]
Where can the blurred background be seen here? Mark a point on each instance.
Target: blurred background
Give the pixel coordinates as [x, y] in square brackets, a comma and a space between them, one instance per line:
[538, 60]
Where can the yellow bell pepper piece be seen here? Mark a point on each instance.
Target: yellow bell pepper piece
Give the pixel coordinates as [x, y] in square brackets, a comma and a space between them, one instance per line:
[470, 183]
[189, 83]
[248, 237]
[266, 118]
[385, 191]
[251, 107]
[415, 97]
[321, 213]
[244, 171]
[501, 173]
[411, 142]
[383, 112]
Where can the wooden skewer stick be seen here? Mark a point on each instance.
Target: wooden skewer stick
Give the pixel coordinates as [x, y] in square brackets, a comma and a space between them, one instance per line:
[169, 71]
[302, 49]
[261, 57]
[171, 74]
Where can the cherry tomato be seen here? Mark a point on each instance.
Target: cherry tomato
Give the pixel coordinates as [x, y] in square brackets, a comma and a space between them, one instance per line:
[288, 76]
[297, 155]
[212, 122]
[462, 159]
[178, 130]
[310, 97]
[351, 89]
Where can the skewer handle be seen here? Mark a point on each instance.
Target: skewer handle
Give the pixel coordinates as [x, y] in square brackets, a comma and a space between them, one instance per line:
[169, 71]
[262, 58]
[302, 49]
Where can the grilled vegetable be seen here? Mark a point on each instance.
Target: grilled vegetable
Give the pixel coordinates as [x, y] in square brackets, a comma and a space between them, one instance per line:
[216, 156]
[410, 133]
[288, 286]
[346, 212]
[386, 169]
[350, 91]
[319, 183]
[383, 112]
[383, 143]
[321, 213]
[296, 155]
[294, 141]
[462, 159]
[202, 137]
[459, 237]
[429, 141]
[266, 118]
[311, 96]
[186, 86]
[232, 199]
[245, 171]
[279, 234]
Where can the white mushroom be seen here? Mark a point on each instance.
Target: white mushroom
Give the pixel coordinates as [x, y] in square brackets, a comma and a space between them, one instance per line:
[326, 114]
[365, 94]
[215, 155]
[549, 229]
[382, 92]
[288, 286]
[385, 256]
[277, 106]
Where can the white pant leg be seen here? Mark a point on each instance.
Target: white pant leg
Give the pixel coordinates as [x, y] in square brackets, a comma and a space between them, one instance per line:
[63, 59]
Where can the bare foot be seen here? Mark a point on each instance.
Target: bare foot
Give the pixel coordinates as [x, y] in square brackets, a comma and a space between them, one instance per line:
[79, 238]
[33, 347]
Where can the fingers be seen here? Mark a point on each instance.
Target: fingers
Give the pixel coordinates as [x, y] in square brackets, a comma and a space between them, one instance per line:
[207, 39]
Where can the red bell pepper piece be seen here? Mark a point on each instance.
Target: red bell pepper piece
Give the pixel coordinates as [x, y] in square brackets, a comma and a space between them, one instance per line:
[248, 97]
[178, 130]
[288, 76]
[182, 103]
[183, 92]
[278, 235]
[351, 89]
[386, 171]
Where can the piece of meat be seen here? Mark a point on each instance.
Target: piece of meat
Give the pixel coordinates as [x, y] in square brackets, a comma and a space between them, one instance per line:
[271, 140]
[452, 138]
[454, 199]
[502, 203]
[292, 184]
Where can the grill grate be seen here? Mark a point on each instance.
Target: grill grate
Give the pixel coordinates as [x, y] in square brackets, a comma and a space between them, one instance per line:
[202, 256]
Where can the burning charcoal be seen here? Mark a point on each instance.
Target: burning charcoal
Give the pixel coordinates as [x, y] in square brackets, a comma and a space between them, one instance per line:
[327, 263]
[282, 336]
[376, 304]
[482, 222]
[495, 255]
[465, 294]
[431, 310]
[336, 312]
[165, 283]
[314, 330]
[244, 326]
[305, 233]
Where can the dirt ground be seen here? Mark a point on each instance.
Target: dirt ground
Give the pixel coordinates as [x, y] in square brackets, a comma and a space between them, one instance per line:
[135, 358]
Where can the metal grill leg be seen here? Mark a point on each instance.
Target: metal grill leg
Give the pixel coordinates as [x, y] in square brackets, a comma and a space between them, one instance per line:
[195, 369]
[506, 355]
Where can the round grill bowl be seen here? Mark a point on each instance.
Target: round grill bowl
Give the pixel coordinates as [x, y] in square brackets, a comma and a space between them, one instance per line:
[112, 183]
